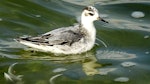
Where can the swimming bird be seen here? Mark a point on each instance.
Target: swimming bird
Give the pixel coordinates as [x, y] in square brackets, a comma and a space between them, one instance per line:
[68, 40]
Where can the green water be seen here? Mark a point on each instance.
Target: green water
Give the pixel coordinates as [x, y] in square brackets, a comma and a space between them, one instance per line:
[127, 40]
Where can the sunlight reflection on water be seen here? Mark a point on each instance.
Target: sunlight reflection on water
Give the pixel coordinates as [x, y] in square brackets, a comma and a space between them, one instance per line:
[114, 55]
[125, 41]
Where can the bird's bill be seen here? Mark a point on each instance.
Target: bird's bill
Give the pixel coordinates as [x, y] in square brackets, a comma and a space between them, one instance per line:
[102, 20]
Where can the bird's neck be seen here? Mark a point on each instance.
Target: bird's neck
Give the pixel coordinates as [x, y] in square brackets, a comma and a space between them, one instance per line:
[89, 26]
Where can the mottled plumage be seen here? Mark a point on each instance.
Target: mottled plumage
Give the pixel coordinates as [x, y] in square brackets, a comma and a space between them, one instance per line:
[65, 36]
[68, 40]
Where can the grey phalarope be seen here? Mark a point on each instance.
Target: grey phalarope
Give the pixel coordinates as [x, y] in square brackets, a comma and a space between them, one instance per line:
[68, 40]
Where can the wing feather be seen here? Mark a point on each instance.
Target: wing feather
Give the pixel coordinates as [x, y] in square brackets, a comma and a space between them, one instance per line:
[60, 36]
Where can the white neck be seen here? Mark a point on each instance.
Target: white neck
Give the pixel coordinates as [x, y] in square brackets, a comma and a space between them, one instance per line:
[89, 26]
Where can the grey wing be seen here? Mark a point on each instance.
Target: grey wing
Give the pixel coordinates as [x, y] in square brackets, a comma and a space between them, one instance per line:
[56, 37]
[66, 37]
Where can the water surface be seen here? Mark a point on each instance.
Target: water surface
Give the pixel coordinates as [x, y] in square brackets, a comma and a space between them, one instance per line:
[125, 51]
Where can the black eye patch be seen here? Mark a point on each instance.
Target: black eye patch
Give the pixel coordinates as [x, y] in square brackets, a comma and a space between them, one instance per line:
[91, 14]
[88, 8]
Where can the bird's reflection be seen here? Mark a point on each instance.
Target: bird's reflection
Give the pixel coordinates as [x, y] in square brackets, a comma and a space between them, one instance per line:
[87, 60]
[90, 64]
[87, 64]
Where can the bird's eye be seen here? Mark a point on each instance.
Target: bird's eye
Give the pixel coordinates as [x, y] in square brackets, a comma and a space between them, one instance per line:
[89, 8]
[91, 14]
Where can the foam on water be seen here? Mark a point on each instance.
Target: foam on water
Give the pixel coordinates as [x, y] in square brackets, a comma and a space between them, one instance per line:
[146, 36]
[128, 64]
[122, 79]
[137, 14]
[105, 71]
[115, 55]
[59, 70]
[1, 19]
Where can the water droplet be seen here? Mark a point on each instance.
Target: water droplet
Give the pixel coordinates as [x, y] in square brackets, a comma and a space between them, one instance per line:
[147, 52]
[59, 70]
[137, 14]
[105, 71]
[37, 15]
[146, 36]
[121, 79]
[128, 64]
[1, 19]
